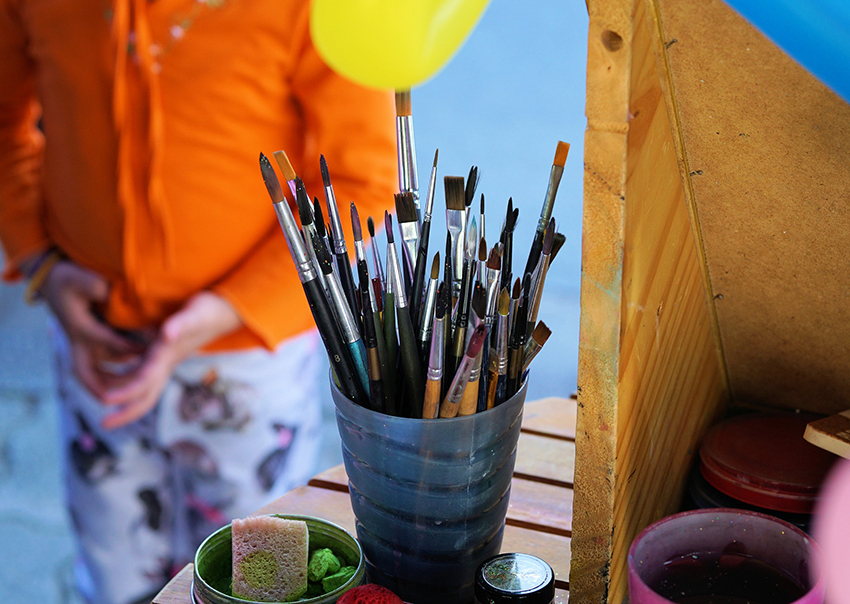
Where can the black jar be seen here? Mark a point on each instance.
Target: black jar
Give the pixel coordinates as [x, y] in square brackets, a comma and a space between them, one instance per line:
[514, 579]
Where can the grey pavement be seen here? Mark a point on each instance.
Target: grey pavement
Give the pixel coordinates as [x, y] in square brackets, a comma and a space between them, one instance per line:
[504, 101]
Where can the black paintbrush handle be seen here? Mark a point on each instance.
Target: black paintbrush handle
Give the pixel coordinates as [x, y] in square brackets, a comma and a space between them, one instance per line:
[411, 365]
[415, 295]
[482, 387]
[337, 352]
[534, 252]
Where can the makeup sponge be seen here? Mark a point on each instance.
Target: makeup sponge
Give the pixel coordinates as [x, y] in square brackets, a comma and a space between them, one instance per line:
[269, 559]
[371, 593]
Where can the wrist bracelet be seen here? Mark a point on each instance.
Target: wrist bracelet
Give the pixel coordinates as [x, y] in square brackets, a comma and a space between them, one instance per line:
[39, 275]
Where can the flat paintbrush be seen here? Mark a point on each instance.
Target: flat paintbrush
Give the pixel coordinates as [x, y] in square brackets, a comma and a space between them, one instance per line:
[413, 374]
[450, 405]
[408, 179]
[408, 224]
[343, 368]
[376, 254]
[415, 294]
[538, 338]
[288, 172]
[456, 226]
[348, 325]
[434, 382]
[548, 203]
[494, 269]
[343, 263]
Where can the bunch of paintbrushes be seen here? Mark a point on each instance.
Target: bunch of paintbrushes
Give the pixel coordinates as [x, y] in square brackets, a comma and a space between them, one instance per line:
[402, 341]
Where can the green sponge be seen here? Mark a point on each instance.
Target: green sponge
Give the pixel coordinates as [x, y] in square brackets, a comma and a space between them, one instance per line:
[322, 562]
[331, 582]
[259, 569]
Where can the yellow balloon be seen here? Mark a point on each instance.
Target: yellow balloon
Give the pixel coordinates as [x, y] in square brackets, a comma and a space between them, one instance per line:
[391, 43]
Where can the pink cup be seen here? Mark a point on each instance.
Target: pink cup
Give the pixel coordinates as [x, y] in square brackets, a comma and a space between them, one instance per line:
[726, 536]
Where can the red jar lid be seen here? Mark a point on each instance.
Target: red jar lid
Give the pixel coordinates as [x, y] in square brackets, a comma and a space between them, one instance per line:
[762, 459]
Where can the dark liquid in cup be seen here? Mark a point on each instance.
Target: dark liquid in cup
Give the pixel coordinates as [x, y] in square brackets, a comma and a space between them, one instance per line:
[711, 578]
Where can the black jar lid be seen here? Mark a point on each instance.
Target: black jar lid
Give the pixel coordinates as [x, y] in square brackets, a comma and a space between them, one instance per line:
[514, 578]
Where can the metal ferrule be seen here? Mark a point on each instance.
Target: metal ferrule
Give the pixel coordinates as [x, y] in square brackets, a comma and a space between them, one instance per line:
[549, 202]
[293, 188]
[493, 276]
[410, 235]
[438, 350]
[429, 200]
[394, 269]
[429, 308]
[336, 224]
[456, 226]
[341, 310]
[303, 263]
[499, 356]
[360, 252]
[475, 374]
[530, 351]
[402, 134]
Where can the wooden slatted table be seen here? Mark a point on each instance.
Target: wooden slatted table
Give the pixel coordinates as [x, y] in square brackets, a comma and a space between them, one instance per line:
[539, 519]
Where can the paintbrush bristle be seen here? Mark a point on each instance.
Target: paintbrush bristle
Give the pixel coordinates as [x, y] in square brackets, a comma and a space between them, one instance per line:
[435, 266]
[476, 341]
[355, 223]
[541, 333]
[549, 238]
[471, 186]
[504, 302]
[284, 164]
[557, 244]
[370, 224]
[326, 176]
[454, 192]
[319, 218]
[270, 178]
[494, 260]
[388, 224]
[561, 154]
[403, 103]
[405, 207]
[479, 301]
[482, 250]
[517, 290]
[481, 209]
[303, 203]
[436, 154]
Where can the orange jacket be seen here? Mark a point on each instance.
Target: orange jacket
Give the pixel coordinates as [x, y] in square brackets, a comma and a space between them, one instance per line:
[150, 174]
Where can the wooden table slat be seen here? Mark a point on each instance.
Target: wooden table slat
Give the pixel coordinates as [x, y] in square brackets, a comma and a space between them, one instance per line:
[553, 416]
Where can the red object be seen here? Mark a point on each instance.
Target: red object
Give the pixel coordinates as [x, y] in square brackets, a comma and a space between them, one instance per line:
[763, 460]
[370, 593]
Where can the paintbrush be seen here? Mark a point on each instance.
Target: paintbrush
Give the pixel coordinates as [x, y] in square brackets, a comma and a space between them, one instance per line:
[408, 224]
[481, 221]
[422, 252]
[469, 401]
[507, 244]
[411, 365]
[340, 252]
[538, 277]
[548, 203]
[498, 370]
[494, 269]
[516, 293]
[434, 383]
[461, 319]
[428, 309]
[308, 228]
[517, 341]
[408, 179]
[448, 279]
[469, 189]
[456, 225]
[376, 254]
[557, 244]
[482, 263]
[538, 338]
[366, 283]
[288, 172]
[345, 320]
[370, 338]
[451, 403]
[341, 363]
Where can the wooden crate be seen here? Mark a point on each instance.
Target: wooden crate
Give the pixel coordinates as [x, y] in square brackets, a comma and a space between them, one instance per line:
[716, 255]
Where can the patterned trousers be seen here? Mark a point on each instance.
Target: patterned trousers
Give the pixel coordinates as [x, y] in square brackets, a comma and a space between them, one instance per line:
[231, 432]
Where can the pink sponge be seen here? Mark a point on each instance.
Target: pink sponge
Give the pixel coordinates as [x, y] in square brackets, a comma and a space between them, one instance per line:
[370, 593]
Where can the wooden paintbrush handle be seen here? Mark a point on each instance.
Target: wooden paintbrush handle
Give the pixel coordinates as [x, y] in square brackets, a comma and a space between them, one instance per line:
[431, 404]
[469, 402]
